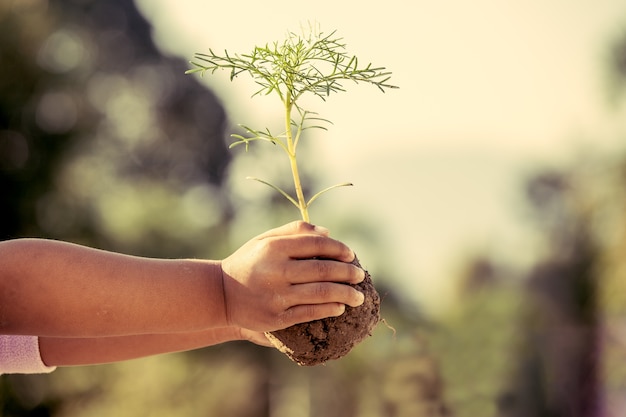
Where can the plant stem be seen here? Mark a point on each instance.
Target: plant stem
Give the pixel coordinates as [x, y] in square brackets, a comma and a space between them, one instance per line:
[291, 148]
[289, 70]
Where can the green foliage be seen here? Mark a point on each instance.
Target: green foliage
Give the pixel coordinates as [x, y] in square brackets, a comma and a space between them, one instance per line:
[313, 64]
[316, 64]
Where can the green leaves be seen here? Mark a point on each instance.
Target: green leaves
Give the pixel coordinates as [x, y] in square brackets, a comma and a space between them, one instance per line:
[282, 139]
[314, 64]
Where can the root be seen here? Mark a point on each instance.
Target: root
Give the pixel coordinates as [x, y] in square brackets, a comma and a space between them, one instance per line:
[390, 327]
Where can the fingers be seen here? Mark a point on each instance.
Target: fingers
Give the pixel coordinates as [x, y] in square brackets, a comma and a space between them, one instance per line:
[324, 270]
[323, 300]
[310, 246]
[306, 313]
[301, 240]
[317, 293]
[291, 274]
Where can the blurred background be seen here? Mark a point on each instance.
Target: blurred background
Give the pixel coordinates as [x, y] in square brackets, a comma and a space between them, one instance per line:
[489, 201]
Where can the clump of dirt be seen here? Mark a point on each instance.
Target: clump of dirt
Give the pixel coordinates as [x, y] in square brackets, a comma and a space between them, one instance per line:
[318, 341]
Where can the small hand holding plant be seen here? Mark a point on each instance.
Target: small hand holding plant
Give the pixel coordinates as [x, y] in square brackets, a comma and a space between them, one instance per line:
[312, 64]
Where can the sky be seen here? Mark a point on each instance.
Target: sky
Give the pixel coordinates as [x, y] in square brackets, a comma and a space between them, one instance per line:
[488, 91]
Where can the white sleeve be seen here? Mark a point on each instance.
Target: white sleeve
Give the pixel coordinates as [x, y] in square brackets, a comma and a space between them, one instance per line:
[20, 355]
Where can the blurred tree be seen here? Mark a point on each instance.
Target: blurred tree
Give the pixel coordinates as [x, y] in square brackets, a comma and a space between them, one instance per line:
[566, 354]
[103, 141]
[574, 361]
[559, 369]
[89, 109]
[616, 67]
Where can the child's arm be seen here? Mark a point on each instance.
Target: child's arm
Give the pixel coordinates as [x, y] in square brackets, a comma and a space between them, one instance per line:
[51, 288]
[56, 351]
[57, 290]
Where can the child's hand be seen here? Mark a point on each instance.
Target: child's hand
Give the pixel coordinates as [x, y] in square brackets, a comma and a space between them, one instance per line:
[272, 282]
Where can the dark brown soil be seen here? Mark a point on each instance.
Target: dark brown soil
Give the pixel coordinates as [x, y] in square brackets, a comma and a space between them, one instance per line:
[318, 341]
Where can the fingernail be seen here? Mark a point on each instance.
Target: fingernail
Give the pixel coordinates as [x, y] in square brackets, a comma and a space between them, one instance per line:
[361, 298]
[362, 275]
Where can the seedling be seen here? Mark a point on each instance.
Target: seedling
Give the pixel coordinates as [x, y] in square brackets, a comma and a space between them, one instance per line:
[311, 64]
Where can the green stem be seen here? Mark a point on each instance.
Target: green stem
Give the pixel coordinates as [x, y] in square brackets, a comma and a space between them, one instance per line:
[291, 152]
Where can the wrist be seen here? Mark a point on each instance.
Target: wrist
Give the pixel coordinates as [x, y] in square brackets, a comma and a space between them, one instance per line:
[213, 313]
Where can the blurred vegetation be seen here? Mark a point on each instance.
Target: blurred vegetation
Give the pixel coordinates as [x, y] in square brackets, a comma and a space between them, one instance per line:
[104, 141]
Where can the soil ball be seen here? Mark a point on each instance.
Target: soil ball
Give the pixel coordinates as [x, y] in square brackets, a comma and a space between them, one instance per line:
[318, 341]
